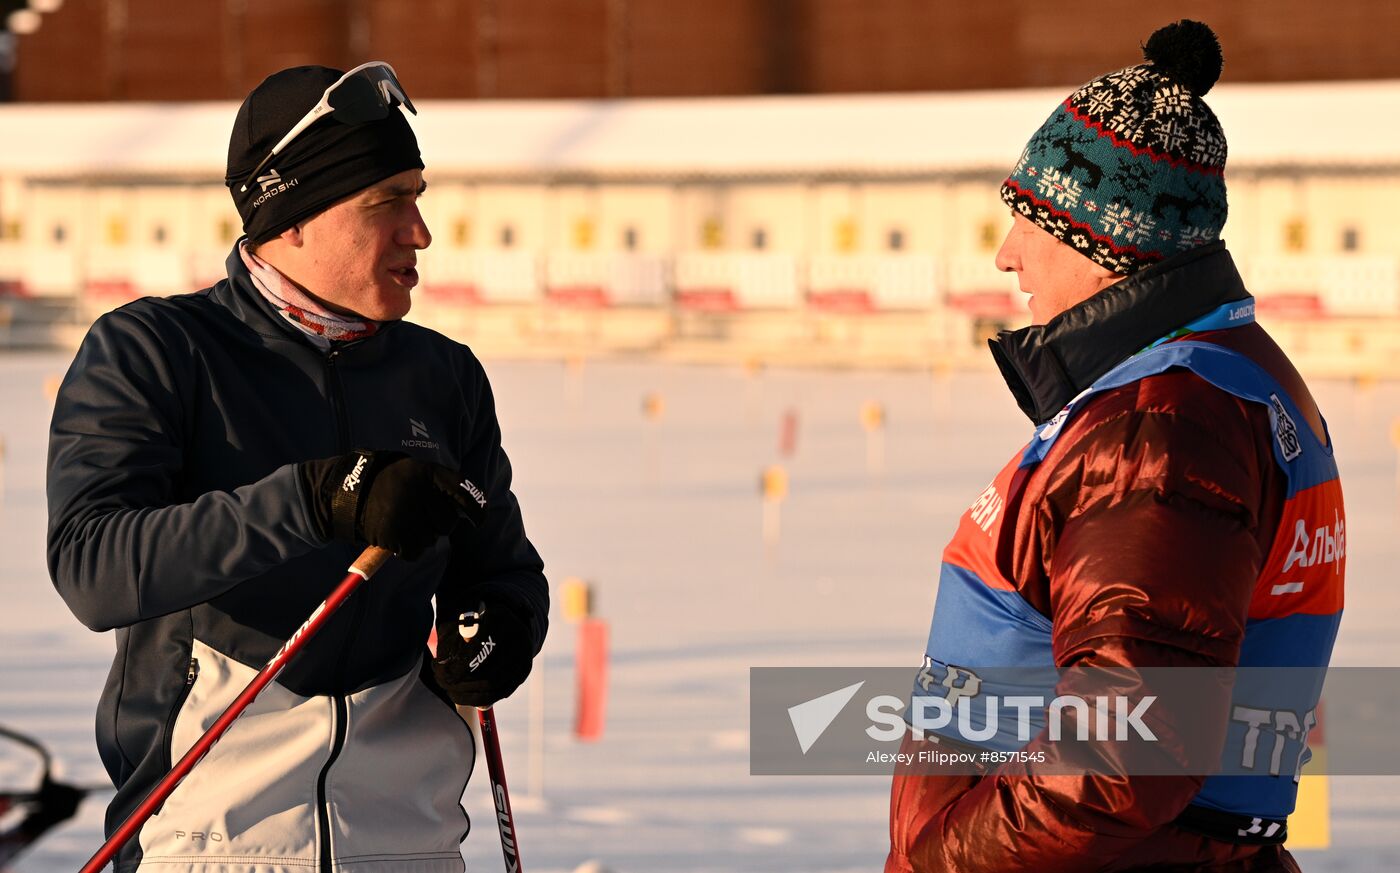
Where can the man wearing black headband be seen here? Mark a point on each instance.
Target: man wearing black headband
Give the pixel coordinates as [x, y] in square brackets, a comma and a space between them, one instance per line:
[217, 459]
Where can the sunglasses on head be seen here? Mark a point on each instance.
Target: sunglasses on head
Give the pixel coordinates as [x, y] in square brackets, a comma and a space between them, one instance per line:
[366, 93]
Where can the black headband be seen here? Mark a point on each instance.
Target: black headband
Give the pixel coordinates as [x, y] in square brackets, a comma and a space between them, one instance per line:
[325, 164]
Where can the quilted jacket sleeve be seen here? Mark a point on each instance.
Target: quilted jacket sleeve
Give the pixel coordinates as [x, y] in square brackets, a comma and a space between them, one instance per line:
[1146, 524]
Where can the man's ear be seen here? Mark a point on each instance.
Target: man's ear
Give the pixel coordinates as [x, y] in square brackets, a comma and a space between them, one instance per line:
[1103, 276]
[1099, 271]
[292, 236]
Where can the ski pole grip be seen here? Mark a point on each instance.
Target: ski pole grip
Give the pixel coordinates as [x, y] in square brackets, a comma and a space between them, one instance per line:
[370, 560]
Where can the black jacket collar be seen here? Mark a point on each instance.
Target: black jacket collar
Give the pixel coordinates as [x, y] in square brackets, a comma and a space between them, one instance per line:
[1047, 365]
[246, 302]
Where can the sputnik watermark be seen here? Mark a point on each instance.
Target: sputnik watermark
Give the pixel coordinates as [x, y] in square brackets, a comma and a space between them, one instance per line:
[937, 715]
[891, 718]
[1162, 721]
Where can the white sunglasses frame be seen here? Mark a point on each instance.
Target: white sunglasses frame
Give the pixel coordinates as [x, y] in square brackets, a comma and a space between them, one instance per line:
[324, 105]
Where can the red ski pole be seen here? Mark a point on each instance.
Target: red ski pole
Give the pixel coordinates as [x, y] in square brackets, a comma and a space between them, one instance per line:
[370, 560]
[495, 768]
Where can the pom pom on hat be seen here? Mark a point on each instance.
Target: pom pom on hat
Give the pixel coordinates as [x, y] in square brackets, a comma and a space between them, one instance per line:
[1189, 52]
[1130, 168]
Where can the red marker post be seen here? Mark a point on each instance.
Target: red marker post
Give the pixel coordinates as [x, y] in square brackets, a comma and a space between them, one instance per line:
[592, 679]
[787, 434]
[592, 659]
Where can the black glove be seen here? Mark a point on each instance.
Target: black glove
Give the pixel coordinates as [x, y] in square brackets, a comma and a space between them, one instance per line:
[491, 664]
[388, 499]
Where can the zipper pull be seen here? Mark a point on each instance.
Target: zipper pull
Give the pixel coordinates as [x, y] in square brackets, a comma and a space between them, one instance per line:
[193, 671]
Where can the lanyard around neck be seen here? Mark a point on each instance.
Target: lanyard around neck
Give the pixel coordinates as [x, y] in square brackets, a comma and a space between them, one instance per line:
[1236, 313]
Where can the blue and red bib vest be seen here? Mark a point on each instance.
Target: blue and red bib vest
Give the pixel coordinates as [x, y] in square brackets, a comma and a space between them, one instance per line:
[980, 620]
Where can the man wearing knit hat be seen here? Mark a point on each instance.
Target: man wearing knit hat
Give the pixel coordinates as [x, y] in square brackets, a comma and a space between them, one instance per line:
[217, 459]
[1154, 519]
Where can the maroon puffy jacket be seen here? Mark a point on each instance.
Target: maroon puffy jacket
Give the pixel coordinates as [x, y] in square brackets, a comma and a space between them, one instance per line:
[1140, 536]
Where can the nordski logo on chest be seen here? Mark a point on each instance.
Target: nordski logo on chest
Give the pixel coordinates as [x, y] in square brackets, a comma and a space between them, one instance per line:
[420, 438]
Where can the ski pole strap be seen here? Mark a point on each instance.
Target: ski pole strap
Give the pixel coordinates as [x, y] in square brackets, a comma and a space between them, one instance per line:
[356, 470]
[1232, 827]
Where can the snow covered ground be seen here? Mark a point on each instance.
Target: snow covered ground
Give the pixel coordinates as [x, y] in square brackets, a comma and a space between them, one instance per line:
[664, 517]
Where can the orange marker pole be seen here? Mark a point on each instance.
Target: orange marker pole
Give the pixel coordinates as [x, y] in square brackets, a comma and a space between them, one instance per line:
[773, 487]
[592, 679]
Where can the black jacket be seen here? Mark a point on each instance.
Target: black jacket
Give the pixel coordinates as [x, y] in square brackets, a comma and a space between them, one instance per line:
[175, 514]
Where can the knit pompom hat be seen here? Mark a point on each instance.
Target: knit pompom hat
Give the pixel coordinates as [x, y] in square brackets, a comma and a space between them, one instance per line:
[1130, 169]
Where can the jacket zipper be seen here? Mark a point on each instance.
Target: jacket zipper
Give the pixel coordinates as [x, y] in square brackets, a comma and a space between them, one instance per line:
[190, 675]
[339, 716]
[339, 707]
[337, 392]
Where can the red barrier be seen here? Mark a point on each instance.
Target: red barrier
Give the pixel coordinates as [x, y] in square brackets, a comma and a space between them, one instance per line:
[1303, 306]
[843, 301]
[112, 289]
[988, 304]
[579, 296]
[707, 299]
[592, 679]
